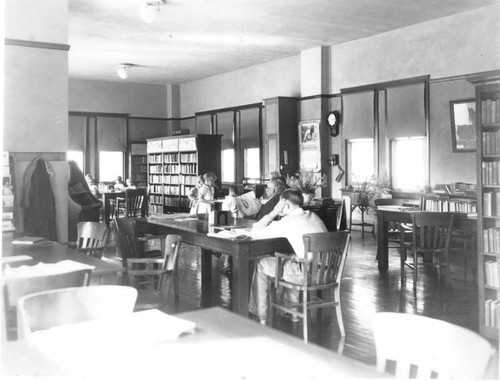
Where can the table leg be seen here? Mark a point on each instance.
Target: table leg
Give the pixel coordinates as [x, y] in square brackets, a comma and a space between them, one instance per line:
[382, 243]
[106, 207]
[240, 280]
[206, 268]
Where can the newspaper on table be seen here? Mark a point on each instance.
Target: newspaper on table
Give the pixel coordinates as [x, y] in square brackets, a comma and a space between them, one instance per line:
[248, 204]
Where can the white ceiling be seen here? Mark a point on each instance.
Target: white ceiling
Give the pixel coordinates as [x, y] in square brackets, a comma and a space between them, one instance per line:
[195, 39]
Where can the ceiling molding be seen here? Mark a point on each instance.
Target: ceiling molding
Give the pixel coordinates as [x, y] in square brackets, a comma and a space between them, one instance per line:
[36, 44]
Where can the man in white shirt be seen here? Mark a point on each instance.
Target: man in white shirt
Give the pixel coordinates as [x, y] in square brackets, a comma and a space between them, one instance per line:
[295, 223]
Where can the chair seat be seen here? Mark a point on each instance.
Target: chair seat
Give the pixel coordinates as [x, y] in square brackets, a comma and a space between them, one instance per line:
[148, 299]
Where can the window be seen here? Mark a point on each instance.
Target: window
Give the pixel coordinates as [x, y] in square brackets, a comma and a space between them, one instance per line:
[110, 165]
[76, 156]
[252, 163]
[359, 160]
[228, 166]
[408, 163]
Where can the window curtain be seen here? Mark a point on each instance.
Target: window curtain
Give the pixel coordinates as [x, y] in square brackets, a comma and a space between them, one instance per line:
[249, 128]
[225, 128]
[405, 111]
[358, 119]
[112, 134]
[77, 133]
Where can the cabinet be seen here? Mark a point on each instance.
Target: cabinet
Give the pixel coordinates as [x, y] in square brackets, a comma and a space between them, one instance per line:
[488, 124]
[280, 132]
[174, 164]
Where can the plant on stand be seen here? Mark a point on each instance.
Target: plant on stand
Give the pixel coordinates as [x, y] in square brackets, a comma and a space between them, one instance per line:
[365, 193]
[308, 182]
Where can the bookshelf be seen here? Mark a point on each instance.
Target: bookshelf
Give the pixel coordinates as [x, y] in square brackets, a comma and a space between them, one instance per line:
[139, 164]
[443, 203]
[488, 188]
[174, 164]
[8, 224]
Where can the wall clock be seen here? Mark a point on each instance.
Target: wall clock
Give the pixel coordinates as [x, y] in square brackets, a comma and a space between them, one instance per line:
[333, 120]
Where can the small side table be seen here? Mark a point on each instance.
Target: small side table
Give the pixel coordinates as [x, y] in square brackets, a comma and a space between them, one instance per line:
[362, 209]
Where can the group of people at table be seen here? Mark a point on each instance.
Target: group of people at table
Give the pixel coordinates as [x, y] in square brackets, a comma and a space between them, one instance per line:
[118, 184]
[281, 216]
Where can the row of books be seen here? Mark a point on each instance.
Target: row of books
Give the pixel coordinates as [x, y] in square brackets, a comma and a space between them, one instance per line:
[492, 313]
[490, 111]
[450, 205]
[171, 158]
[490, 171]
[491, 240]
[491, 142]
[492, 273]
[189, 157]
[491, 204]
[156, 158]
[155, 208]
[139, 159]
[7, 196]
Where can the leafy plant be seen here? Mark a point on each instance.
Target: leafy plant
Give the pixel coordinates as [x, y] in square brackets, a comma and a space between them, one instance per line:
[307, 181]
[377, 186]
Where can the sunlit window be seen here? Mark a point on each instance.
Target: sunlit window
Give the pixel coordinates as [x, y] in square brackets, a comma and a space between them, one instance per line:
[76, 156]
[228, 165]
[252, 163]
[359, 160]
[110, 165]
[408, 160]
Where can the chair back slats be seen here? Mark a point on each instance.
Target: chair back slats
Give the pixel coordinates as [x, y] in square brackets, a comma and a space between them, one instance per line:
[92, 235]
[170, 260]
[129, 247]
[327, 252]
[432, 231]
[134, 201]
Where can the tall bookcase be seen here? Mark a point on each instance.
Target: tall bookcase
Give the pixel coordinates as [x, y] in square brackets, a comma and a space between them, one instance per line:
[488, 124]
[139, 164]
[174, 164]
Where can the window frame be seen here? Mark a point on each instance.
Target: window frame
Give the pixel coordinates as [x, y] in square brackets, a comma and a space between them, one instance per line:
[348, 144]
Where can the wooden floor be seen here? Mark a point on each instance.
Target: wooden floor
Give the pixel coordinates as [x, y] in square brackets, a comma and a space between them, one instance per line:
[364, 292]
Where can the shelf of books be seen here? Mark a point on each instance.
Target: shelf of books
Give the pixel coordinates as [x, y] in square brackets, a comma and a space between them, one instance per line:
[174, 164]
[488, 188]
[139, 164]
[7, 196]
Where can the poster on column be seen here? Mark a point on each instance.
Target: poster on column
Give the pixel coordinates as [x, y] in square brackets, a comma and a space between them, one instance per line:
[309, 145]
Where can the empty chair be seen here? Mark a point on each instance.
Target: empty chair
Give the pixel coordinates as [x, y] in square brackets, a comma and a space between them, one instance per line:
[92, 238]
[393, 230]
[43, 310]
[322, 271]
[434, 347]
[22, 281]
[135, 244]
[164, 276]
[132, 206]
[430, 240]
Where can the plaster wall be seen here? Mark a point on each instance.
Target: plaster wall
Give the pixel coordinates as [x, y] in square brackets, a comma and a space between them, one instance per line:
[245, 86]
[118, 97]
[465, 43]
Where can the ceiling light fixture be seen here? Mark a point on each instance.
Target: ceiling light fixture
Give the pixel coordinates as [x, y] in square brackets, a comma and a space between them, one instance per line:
[123, 70]
[150, 10]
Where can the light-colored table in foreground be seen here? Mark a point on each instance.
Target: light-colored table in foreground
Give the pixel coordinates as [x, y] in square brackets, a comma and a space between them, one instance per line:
[223, 346]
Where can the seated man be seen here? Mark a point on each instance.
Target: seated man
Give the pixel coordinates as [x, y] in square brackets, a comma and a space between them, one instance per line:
[273, 191]
[295, 223]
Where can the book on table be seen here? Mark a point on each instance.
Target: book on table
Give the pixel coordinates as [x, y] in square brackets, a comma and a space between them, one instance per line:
[27, 240]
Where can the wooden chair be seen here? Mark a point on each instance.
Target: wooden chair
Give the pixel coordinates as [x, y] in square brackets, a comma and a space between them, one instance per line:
[138, 268]
[132, 206]
[322, 271]
[16, 287]
[431, 240]
[135, 244]
[434, 347]
[92, 238]
[393, 231]
[43, 310]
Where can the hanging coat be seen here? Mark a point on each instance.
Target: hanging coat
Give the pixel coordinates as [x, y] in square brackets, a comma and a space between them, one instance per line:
[40, 211]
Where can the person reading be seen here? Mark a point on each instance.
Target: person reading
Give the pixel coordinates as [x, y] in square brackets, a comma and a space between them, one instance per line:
[295, 222]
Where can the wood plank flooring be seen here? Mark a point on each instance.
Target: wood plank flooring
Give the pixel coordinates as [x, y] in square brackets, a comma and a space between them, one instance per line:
[364, 292]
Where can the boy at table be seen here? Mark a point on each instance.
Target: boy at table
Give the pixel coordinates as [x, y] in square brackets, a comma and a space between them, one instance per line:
[295, 222]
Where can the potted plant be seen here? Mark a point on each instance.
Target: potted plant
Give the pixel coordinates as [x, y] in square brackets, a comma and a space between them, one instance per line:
[365, 193]
[308, 182]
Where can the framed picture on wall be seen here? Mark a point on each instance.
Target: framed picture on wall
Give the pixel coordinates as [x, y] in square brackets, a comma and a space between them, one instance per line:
[463, 125]
[309, 148]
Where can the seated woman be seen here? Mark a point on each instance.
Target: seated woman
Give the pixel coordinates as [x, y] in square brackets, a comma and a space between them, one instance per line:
[130, 183]
[273, 191]
[119, 185]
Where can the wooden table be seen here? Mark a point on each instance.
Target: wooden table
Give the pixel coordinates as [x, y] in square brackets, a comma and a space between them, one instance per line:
[195, 233]
[386, 216]
[52, 252]
[224, 346]
[106, 197]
